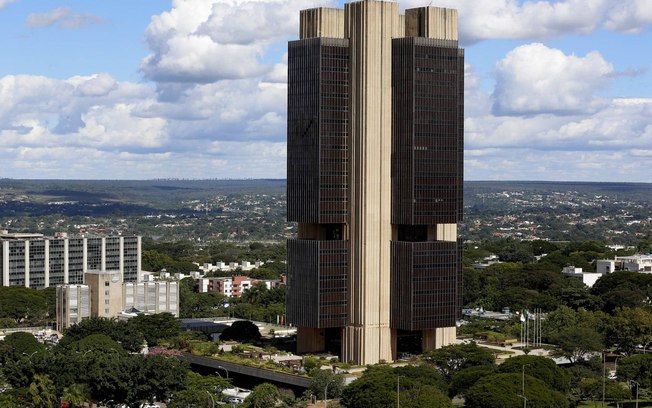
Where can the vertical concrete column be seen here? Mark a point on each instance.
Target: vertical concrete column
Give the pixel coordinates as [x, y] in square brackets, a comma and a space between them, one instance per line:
[103, 254]
[46, 263]
[66, 262]
[85, 255]
[139, 267]
[447, 232]
[27, 263]
[122, 257]
[370, 27]
[5, 263]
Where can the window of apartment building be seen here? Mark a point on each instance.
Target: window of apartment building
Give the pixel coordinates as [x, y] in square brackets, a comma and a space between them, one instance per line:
[107, 301]
[106, 311]
[106, 292]
[107, 283]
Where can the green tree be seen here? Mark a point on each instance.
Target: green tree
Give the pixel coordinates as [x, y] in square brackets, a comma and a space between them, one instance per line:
[95, 343]
[375, 388]
[541, 368]
[21, 303]
[322, 378]
[592, 388]
[76, 395]
[43, 392]
[242, 330]
[456, 357]
[628, 328]
[464, 379]
[156, 377]
[506, 391]
[425, 396]
[120, 331]
[192, 397]
[576, 343]
[156, 327]
[263, 396]
[7, 323]
[310, 363]
[638, 368]
[623, 289]
[21, 343]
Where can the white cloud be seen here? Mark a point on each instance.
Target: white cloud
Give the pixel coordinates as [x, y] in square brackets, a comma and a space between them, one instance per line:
[538, 20]
[5, 2]
[95, 85]
[216, 104]
[630, 16]
[535, 79]
[63, 17]
[200, 42]
[81, 111]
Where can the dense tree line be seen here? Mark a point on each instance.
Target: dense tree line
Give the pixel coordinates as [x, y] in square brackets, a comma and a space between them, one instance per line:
[95, 361]
[523, 282]
[183, 256]
[20, 306]
[258, 303]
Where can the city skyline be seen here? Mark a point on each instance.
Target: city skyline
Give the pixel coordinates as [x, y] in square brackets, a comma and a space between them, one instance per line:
[554, 90]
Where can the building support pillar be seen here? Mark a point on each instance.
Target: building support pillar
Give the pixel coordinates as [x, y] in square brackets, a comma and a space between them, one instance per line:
[310, 340]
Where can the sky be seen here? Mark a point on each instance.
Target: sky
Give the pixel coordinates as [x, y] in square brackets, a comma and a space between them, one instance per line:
[557, 90]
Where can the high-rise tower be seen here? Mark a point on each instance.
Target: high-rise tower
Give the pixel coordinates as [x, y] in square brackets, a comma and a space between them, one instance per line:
[375, 161]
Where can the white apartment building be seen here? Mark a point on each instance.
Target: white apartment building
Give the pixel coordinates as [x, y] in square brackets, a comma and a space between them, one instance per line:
[106, 295]
[587, 278]
[38, 261]
[633, 263]
[151, 297]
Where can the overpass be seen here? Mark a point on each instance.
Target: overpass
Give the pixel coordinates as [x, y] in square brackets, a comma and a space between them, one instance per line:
[261, 374]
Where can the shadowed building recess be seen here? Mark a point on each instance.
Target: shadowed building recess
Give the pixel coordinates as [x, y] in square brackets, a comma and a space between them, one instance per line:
[375, 173]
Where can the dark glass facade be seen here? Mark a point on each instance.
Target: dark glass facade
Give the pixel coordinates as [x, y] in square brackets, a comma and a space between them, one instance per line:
[317, 290]
[318, 92]
[426, 284]
[427, 131]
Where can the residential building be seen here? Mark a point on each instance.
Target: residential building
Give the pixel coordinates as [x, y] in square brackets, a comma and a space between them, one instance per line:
[234, 286]
[38, 261]
[587, 278]
[375, 179]
[633, 263]
[106, 295]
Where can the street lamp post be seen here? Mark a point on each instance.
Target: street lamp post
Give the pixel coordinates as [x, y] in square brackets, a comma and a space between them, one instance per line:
[326, 390]
[227, 371]
[212, 399]
[616, 365]
[523, 385]
[637, 385]
[604, 375]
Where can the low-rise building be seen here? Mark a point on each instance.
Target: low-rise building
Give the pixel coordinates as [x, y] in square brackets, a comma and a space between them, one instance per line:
[588, 278]
[632, 263]
[233, 286]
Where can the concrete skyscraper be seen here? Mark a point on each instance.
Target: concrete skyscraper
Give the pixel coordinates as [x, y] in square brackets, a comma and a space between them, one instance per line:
[375, 163]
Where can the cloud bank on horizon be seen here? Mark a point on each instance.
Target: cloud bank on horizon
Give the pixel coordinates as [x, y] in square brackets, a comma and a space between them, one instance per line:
[212, 102]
